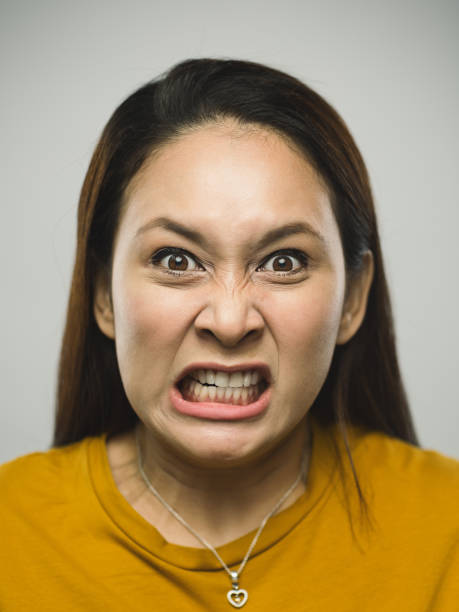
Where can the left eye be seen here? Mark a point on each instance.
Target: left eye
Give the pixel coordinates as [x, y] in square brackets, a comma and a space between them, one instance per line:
[285, 262]
[175, 260]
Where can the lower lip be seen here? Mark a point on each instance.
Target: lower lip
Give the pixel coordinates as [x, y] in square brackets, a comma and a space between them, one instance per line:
[220, 412]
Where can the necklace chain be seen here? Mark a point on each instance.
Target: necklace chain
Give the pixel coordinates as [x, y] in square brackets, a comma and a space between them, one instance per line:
[233, 575]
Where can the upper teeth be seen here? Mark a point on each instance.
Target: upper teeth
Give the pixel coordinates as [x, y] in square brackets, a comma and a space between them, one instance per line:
[226, 379]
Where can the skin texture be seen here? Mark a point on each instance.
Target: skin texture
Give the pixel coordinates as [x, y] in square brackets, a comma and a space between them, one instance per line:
[232, 305]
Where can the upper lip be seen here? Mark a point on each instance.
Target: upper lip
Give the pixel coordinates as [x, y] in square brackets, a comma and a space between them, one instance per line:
[261, 367]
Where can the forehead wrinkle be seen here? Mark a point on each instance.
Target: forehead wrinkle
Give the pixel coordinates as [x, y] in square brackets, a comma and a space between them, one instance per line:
[236, 131]
[223, 126]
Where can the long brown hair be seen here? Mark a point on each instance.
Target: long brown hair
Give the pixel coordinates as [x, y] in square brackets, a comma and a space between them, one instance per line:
[363, 386]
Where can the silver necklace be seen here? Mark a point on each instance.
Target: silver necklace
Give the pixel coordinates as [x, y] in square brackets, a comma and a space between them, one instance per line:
[236, 596]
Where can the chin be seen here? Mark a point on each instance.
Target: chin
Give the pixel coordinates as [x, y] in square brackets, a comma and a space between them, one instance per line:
[222, 445]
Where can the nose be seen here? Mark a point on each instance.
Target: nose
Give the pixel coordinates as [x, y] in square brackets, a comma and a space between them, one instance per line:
[230, 317]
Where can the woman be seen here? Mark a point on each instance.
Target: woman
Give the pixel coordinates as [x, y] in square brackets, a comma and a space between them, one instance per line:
[232, 428]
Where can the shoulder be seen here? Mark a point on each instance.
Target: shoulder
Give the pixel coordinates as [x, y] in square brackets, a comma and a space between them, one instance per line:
[409, 482]
[404, 462]
[42, 475]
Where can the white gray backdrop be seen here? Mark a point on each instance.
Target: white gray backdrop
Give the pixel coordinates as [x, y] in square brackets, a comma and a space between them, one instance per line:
[390, 68]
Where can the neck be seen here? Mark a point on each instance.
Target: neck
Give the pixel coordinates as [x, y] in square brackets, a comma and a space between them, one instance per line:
[220, 505]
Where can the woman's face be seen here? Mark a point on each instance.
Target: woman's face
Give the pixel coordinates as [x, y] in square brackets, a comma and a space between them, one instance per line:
[227, 254]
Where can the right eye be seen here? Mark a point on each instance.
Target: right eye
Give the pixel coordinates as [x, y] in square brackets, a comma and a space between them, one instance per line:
[175, 261]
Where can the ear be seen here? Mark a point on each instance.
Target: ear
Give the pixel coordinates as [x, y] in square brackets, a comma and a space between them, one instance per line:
[103, 308]
[355, 304]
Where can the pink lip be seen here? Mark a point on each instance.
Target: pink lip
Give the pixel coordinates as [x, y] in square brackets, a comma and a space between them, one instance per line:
[219, 412]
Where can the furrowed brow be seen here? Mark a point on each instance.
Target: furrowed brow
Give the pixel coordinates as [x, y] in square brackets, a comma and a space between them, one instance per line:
[290, 229]
[173, 226]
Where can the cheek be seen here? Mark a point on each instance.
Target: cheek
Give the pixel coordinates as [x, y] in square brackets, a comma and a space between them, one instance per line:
[306, 327]
[149, 321]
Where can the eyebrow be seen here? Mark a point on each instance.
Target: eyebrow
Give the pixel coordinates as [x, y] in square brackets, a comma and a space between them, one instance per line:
[289, 229]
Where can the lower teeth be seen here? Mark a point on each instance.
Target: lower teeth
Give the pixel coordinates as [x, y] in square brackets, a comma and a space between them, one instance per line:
[193, 391]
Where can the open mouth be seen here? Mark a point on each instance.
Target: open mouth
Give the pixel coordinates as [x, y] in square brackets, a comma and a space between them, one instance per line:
[236, 388]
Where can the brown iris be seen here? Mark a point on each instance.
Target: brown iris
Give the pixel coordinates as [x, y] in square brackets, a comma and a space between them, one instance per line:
[177, 262]
[284, 264]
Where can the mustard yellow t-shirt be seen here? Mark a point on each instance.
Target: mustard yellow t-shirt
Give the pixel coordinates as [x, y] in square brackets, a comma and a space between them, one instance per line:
[70, 541]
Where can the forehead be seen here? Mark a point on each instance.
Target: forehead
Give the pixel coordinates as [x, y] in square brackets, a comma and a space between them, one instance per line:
[229, 177]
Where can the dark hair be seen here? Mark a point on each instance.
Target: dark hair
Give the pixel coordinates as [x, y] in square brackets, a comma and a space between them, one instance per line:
[363, 386]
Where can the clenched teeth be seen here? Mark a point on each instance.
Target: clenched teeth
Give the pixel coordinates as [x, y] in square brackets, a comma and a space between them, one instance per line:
[226, 379]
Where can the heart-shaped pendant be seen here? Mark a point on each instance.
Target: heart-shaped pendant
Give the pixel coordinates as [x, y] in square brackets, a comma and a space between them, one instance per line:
[237, 597]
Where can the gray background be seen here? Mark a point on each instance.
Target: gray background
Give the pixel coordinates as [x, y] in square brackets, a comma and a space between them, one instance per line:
[390, 68]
